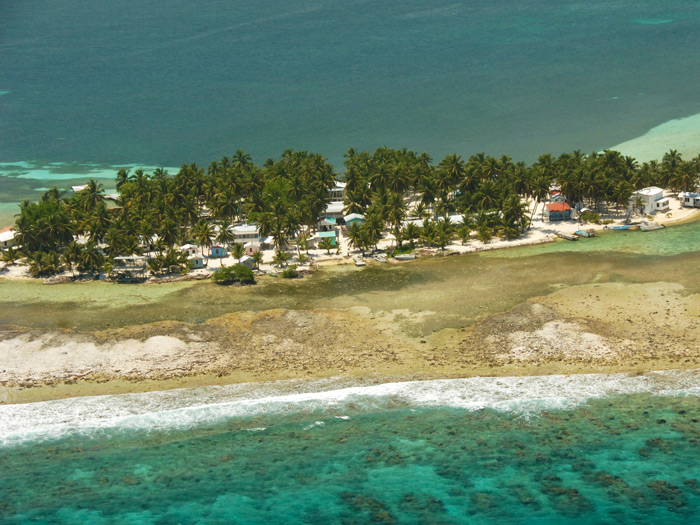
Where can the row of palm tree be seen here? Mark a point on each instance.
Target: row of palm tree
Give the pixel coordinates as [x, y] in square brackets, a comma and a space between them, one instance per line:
[285, 198]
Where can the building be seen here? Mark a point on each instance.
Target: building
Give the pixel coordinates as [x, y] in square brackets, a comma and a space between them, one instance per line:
[325, 235]
[649, 200]
[7, 238]
[217, 251]
[558, 211]
[337, 192]
[79, 188]
[189, 249]
[335, 210]
[196, 262]
[556, 196]
[689, 199]
[252, 247]
[327, 224]
[354, 218]
[129, 268]
[244, 233]
[248, 261]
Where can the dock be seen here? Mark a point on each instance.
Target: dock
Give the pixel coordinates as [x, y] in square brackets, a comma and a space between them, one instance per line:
[567, 236]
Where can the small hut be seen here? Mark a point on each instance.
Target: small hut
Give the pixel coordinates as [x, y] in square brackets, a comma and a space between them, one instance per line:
[217, 251]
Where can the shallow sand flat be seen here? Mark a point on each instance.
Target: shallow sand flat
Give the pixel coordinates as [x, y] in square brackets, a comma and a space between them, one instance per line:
[680, 134]
[582, 329]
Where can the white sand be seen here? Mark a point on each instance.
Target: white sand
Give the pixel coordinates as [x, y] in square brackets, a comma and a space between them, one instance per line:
[681, 134]
[59, 356]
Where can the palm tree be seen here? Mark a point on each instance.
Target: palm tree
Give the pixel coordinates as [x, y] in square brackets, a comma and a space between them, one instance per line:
[464, 233]
[258, 259]
[71, 255]
[443, 234]
[91, 196]
[238, 251]
[10, 256]
[281, 258]
[411, 233]
[326, 244]
[203, 233]
[225, 237]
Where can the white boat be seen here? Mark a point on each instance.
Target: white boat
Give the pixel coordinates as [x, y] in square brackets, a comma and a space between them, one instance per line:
[650, 226]
[358, 262]
[404, 257]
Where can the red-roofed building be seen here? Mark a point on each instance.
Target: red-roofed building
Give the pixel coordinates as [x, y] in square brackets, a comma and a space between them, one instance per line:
[558, 211]
[7, 237]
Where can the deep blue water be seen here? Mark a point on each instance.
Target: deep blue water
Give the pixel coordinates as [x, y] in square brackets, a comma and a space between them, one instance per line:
[589, 449]
[88, 87]
[163, 83]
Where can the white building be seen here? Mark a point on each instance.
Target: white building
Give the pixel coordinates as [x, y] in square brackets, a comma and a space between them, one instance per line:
[651, 199]
[689, 199]
[7, 237]
[335, 210]
[337, 192]
[244, 233]
[189, 249]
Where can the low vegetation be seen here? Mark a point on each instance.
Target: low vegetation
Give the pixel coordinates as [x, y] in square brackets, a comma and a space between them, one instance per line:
[236, 274]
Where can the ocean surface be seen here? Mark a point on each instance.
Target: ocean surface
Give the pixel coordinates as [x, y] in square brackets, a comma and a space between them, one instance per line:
[580, 449]
[88, 87]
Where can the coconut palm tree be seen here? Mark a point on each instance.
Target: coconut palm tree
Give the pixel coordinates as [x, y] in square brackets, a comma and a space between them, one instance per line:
[326, 244]
[203, 232]
[258, 259]
[238, 251]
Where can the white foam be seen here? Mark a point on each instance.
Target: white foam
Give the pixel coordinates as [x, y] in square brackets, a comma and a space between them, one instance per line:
[186, 408]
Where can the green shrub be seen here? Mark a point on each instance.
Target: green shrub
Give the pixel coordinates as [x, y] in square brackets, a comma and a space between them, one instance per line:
[399, 250]
[589, 216]
[290, 273]
[238, 273]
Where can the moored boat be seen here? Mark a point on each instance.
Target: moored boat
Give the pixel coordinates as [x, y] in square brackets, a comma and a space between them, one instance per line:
[584, 233]
[618, 227]
[567, 236]
[404, 257]
[650, 226]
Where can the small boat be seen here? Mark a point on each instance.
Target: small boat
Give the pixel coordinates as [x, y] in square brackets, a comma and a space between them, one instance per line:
[404, 257]
[360, 263]
[650, 226]
[567, 236]
[380, 258]
[620, 227]
[584, 233]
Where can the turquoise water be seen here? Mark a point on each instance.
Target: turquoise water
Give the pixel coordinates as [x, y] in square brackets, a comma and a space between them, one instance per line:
[683, 238]
[589, 449]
